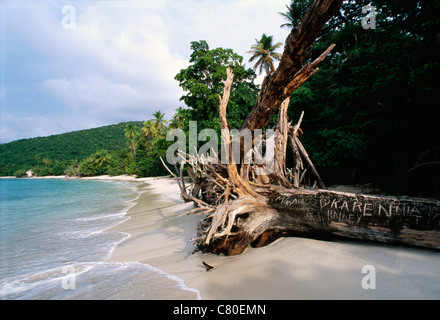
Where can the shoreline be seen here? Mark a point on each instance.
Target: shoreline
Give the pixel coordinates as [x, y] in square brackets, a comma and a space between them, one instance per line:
[289, 268]
[103, 177]
[159, 231]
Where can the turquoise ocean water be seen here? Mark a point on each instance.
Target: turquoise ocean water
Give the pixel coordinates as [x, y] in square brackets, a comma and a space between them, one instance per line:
[55, 240]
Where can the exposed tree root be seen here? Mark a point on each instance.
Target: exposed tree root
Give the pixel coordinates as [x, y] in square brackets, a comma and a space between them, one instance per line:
[247, 204]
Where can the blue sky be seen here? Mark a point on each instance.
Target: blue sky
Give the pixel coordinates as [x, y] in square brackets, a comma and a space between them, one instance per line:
[118, 62]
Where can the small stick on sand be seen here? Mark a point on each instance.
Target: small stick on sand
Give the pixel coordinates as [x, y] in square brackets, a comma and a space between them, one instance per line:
[207, 266]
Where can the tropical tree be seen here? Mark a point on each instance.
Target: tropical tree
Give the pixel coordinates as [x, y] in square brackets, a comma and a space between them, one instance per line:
[202, 82]
[294, 13]
[101, 158]
[365, 97]
[159, 121]
[264, 52]
[132, 135]
[96, 164]
[47, 162]
[180, 118]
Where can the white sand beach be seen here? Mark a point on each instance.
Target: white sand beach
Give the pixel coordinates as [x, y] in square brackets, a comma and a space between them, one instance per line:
[289, 268]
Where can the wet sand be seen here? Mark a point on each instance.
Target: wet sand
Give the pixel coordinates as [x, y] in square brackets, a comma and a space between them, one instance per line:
[289, 268]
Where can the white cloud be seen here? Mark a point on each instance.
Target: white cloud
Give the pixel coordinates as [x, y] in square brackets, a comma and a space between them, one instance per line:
[123, 63]
[119, 62]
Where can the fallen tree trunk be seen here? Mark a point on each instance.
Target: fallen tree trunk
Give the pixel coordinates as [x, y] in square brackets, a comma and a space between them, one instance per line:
[385, 219]
[263, 212]
[299, 212]
[250, 205]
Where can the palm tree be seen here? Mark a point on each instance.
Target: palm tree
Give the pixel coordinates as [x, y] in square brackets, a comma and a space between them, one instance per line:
[150, 132]
[294, 13]
[47, 162]
[101, 159]
[159, 121]
[264, 51]
[131, 134]
[179, 118]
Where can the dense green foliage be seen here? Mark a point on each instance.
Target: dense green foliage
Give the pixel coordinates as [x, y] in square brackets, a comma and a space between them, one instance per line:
[136, 147]
[263, 51]
[202, 83]
[51, 155]
[294, 12]
[370, 112]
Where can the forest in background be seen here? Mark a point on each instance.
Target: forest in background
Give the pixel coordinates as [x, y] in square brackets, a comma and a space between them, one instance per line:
[52, 155]
[369, 110]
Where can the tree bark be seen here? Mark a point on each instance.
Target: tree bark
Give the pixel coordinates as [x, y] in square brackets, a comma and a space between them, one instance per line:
[271, 206]
[241, 186]
[323, 214]
[384, 219]
[249, 219]
[281, 135]
[277, 86]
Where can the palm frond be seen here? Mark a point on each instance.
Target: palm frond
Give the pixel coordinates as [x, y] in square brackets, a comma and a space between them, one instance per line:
[264, 51]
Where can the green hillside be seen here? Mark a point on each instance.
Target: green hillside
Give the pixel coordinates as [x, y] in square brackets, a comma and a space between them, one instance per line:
[58, 151]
